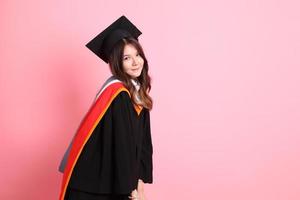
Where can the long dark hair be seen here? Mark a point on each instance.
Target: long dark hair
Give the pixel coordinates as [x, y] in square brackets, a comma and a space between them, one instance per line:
[116, 67]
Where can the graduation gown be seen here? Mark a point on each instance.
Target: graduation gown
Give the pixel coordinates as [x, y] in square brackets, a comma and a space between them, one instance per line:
[112, 148]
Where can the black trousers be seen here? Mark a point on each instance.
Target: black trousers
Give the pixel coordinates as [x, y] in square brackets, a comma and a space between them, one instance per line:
[73, 194]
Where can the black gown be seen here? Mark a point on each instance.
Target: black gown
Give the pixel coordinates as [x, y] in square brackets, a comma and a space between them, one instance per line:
[118, 153]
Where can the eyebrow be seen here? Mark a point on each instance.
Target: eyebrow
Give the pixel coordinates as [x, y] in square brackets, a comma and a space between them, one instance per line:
[129, 54]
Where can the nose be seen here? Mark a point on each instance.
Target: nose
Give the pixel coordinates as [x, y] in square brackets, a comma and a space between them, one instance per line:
[134, 61]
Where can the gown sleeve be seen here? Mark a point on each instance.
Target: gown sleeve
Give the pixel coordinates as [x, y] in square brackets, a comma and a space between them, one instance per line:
[124, 146]
[146, 163]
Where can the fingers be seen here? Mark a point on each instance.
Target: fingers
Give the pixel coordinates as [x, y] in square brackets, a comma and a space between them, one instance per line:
[134, 195]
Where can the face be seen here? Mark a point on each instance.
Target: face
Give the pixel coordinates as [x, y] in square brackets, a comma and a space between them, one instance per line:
[132, 61]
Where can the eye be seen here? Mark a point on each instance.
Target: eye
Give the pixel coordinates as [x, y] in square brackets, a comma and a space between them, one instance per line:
[138, 54]
[126, 58]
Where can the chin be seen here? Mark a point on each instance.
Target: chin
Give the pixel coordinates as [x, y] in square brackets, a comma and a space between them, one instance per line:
[136, 75]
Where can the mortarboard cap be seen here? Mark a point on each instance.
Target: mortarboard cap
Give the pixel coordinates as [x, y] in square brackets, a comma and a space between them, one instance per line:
[104, 42]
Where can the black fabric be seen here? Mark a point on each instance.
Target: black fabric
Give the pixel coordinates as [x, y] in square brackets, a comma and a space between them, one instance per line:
[146, 164]
[73, 194]
[118, 153]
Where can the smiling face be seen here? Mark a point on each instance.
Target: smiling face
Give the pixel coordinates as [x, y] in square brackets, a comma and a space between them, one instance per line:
[132, 61]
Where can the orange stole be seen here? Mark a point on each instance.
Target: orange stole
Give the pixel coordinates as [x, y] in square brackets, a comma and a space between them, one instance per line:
[87, 126]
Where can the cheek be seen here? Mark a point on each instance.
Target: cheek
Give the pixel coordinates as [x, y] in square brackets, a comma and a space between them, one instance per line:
[125, 67]
[142, 61]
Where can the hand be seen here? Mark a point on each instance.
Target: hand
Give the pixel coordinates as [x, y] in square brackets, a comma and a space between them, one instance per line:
[138, 194]
[140, 190]
[134, 195]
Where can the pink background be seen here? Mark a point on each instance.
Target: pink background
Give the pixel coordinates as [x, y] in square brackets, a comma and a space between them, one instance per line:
[225, 122]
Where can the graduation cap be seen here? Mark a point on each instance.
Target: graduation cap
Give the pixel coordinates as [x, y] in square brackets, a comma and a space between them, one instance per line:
[104, 42]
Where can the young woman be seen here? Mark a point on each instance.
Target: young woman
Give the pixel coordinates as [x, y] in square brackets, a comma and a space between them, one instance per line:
[110, 157]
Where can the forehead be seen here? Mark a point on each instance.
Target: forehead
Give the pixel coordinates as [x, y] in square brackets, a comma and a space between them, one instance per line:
[129, 49]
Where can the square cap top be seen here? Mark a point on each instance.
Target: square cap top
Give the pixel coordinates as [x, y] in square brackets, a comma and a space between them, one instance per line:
[104, 42]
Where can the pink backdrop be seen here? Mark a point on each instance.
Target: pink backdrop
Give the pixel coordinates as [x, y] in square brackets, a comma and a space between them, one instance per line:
[225, 122]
